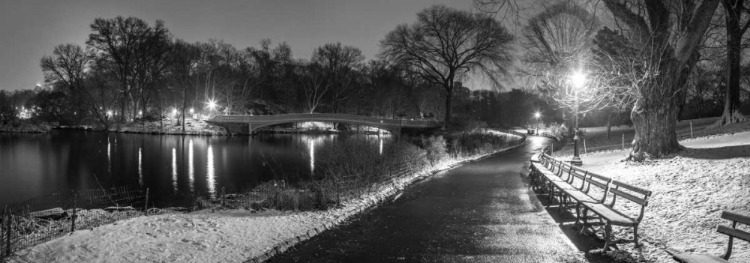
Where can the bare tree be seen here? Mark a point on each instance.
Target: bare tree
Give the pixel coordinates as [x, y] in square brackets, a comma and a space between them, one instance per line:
[312, 79]
[666, 35]
[446, 44]
[558, 43]
[68, 67]
[339, 63]
[183, 62]
[119, 38]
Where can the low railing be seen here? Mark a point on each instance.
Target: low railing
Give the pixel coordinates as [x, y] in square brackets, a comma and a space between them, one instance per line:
[327, 117]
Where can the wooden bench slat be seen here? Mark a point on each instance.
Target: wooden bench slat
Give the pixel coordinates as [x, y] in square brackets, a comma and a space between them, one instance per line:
[734, 232]
[600, 177]
[631, 188]
[601, 185]
[579, 175]
[628, 196]
[614, 216]
[736, 217]
[579, 196]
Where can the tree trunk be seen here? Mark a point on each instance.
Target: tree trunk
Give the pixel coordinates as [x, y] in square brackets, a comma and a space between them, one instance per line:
[654, 124]
[448, 98]
[609, 124]
[184, 106]
[731, 112]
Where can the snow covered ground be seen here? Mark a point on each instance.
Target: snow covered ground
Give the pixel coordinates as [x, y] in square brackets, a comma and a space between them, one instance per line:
[204, 236]
[690, 190]
[596, 137]
[25, 127]
[192, 127]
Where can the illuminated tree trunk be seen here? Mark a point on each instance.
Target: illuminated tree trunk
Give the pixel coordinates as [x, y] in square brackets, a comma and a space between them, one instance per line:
[654, 121]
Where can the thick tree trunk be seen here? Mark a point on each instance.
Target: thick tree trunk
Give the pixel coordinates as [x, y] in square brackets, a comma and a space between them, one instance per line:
[654, 125]
[731, 112]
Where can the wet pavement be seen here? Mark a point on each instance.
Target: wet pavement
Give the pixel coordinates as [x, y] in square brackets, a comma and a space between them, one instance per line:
[483, 211]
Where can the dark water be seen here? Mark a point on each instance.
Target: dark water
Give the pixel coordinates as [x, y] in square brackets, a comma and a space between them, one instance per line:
[33, 165]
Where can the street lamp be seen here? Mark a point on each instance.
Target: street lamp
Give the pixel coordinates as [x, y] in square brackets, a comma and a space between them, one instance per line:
[578, 80]
[537, 115]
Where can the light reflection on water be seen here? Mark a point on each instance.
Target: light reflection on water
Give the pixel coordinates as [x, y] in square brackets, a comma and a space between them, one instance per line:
[36, 165]
[140, 166]
[174, 170]
[381, 144]
[191, 167]
[210, 180]
[312, 155]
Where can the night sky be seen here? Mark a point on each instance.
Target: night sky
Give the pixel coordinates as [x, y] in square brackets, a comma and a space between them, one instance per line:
[30, 29]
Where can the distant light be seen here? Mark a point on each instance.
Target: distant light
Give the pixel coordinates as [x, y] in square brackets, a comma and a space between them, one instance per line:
[537, 115]
[212, 104]
[192, 110]
[109, 113]
[174, 112]
[140, 112]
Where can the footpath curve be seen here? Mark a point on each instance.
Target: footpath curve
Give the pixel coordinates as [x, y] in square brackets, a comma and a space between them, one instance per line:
[482, 211]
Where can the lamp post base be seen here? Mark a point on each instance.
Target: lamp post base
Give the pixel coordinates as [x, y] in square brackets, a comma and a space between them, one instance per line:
[576, 161]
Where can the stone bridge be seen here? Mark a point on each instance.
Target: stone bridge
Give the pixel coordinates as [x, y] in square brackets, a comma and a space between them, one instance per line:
[249, 124]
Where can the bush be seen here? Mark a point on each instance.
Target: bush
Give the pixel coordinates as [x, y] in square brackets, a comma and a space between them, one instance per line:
[435, 148]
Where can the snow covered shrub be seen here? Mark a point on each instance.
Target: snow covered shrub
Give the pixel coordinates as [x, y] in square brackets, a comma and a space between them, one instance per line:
[435, 148]
[557, 130]
[466, 144]
[350, 158]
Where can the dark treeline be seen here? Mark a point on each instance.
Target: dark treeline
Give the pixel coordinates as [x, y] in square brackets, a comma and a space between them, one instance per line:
[132, 71]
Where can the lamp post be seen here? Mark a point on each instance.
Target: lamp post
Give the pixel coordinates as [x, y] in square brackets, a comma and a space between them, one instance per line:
[537, 115]
[578, 80]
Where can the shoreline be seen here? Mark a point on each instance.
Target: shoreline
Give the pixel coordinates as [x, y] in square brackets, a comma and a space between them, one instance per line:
[282, 230]
[205, 129]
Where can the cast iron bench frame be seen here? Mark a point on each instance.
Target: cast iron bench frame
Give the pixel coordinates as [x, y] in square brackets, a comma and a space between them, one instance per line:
[544, 176]
[732, 232]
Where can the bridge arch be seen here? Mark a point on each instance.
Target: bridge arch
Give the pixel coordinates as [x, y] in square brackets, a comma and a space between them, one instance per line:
[259, 121]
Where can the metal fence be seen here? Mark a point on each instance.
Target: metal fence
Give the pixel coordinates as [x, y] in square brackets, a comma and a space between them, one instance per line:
[44, 218]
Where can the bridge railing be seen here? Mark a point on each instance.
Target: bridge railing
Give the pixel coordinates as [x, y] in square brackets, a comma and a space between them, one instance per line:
[326, 117]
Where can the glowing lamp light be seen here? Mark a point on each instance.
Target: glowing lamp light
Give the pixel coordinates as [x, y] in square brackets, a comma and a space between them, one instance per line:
[537, 115]
[140, 112]
[174, 112]
[578, 79]
[192, 110]
[109, 113]
[212, 104]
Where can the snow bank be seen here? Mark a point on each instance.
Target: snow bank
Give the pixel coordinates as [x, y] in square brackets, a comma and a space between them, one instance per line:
[220, 236]
[192, 127]
[690, 189]
[25, 127]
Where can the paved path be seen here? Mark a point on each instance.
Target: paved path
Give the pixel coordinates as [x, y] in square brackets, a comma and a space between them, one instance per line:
[480, 212]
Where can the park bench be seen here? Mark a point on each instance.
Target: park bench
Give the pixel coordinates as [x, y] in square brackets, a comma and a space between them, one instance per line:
[615, 217]
[545, 172]
[589, 191]
[732, 232]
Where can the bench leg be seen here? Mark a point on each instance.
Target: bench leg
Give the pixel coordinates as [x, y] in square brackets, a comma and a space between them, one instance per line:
[635, 236]
[585, 220]
[563, 202]
[607, 235]
[578, 213]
